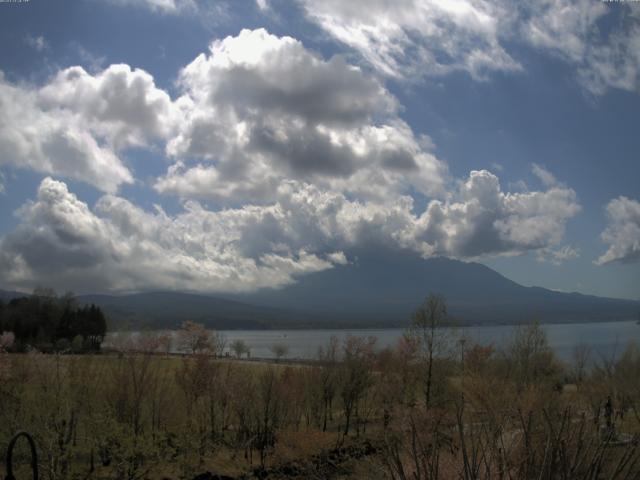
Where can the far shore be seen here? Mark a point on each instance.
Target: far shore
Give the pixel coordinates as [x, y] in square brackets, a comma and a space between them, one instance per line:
[385, 326]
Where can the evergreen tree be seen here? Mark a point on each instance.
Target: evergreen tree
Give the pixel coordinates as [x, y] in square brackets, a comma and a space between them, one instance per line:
[45, 321]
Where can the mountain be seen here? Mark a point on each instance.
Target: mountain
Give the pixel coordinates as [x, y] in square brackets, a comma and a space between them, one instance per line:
[6, 295]
[170, 309]
[375, 289]
[385, 288]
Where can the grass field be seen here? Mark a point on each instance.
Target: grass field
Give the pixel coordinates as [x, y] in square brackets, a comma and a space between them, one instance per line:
[355, 412]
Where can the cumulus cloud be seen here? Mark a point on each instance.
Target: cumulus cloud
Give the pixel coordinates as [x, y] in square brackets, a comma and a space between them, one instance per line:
[260, 109]
[118, 246]
[61, 242]
[412, 39]
[53, 141]
[484, 220]
[622, 233]
[120, 104]
[257, 110]
[76, 124]
[310, 153]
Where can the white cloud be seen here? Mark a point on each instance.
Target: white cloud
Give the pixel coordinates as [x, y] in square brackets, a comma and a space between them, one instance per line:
[606, 57]
[338, 258]
[557, 256]
[311, 152]
[622, 233]
[563, 26]
[409, 39]
[260, 109]
[161, 6]
[122, 105]
[118, 246]
[615, 64]
[482, 220]
[53, 141]
[77, 123]
[544, 175]
[412, 38]
[38, 43]
[61, 242]
[205, 12]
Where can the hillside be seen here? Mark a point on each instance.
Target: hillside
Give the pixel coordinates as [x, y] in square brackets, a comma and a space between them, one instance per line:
[373, 290]
[169, 309]
[386, 288]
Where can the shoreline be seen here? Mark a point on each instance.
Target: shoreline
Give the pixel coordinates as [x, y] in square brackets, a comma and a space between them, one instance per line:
[366, 328]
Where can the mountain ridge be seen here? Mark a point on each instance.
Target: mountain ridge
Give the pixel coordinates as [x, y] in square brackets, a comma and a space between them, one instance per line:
[474, 292]
[372, 290]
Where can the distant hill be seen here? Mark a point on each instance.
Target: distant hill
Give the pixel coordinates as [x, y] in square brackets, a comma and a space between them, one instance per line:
[386, 288]
[8, 295]
[170, 309]
[374, 290]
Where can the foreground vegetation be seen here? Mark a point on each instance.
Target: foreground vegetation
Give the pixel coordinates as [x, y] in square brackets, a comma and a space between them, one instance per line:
[433, 406]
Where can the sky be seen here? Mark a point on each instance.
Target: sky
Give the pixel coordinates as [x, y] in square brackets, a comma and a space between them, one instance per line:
[222, 147]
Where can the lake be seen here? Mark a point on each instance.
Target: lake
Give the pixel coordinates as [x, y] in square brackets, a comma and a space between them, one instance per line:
[605, 339]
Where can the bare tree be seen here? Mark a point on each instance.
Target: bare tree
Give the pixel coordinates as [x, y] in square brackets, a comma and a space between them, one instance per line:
[195, 338]
[165, 342]
[530, 357]
[279, 350]
[219, 343]
[239, 347]
[581, 354]
[425, 326]
[270, 412]
[357, 375]
[328, 358]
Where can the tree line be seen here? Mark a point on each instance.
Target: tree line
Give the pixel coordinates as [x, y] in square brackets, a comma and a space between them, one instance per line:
[47, 322]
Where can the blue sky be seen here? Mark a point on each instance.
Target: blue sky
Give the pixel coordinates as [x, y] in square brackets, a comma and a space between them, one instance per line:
[261, 141]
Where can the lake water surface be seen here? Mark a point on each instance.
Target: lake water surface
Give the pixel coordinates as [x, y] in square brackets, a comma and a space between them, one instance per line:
[605, 339]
